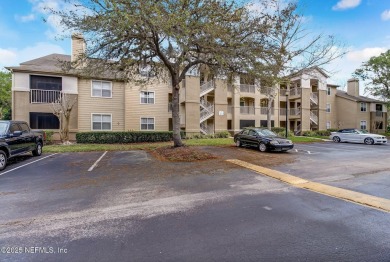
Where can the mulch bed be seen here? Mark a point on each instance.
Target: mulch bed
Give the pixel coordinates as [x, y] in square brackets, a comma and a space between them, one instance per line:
[181, 154]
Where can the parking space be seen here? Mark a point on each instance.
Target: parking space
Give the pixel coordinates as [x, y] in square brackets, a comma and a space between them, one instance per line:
[359, 167]
[114, 205]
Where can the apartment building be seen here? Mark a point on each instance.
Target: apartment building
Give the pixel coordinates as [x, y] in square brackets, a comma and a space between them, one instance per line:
[207, 105]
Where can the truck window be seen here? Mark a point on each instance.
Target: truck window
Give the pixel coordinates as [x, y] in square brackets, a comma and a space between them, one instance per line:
[3, 128]
[24, 127]
[13, 128]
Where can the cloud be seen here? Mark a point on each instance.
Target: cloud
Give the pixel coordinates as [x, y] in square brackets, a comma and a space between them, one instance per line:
[365, 54]
[346, 4]
[385, 15]
[13, 57]
[25, 18]
[343, 68]
[45, 8]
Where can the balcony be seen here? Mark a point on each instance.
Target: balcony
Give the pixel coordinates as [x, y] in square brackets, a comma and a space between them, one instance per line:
[247, 88]
[264, 110]
[39, 96]
[283, 92]
[282, 111]
[247, 110]
[295, 92]
[295, 112]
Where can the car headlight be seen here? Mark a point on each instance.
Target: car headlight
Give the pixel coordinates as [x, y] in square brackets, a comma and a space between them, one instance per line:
[274, 142]
[288, 141]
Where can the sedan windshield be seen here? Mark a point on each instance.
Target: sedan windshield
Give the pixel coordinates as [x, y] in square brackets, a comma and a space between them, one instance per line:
[266, 132]
[3, 128]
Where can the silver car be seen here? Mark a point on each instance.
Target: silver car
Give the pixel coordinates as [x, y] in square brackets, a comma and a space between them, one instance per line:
[357, 136]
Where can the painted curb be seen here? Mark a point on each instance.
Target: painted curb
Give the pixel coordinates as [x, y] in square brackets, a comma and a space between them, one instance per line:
[382, 204]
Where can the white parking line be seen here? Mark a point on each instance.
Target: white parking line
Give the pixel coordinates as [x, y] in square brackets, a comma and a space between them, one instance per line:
[27, 164]
[97, 161]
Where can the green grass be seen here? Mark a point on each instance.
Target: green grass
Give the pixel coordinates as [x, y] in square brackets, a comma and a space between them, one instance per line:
[151, 146]
[305, 139]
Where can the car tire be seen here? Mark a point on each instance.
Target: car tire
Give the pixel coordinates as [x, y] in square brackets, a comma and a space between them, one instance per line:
[262, 147]
[3, 160]
[369, 141]
[238, 143]
[38, 149]
[336, 139]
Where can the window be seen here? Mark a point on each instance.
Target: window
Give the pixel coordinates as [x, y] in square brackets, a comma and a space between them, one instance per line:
[378, 107]
[242, 103]
[44, 121]
[24, 127]
[147, 123]
[328, 125]
[13, 128]
[363, 107]
[101, 122]
[101, 89]
[45, 83]
[327, 108]
[363, 125]
[147, 97]
[328, 91]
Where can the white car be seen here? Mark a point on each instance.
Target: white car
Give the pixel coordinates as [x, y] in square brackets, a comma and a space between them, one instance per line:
[357, 136]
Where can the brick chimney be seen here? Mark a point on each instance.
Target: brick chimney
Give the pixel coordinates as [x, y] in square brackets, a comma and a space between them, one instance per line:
[78, 47]
[353, 87]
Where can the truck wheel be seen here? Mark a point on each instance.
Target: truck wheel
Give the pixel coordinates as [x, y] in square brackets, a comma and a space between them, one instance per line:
[3, 159]
[38, 150]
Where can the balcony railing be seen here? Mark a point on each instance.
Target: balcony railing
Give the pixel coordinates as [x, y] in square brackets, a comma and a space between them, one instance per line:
[264, 110]
[230, 109]
[247, 88]
[282, 111]
[379, 114]
[39, 96]
[295, 111]
[247, 110]
[295, 91]
[283, 92]
[170, 107]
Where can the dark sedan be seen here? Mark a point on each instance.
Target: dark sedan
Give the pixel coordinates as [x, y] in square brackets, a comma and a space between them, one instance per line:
[263, 139]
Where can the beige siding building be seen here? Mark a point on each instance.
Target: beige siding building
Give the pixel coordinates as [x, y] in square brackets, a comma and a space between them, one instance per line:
[207, 105]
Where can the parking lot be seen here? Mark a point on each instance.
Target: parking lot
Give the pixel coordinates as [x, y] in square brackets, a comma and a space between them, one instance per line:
[131, 206]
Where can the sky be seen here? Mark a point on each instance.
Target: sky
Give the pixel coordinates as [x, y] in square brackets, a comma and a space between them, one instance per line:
[28, 31]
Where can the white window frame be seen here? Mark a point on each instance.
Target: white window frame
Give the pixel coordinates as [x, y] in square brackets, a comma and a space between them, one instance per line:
[328, 125]
[101, 92]
[361, 106]
[140, 123]
[365, 121]
[147, 97]
[328, 109]
[328, 91]
[101, 114]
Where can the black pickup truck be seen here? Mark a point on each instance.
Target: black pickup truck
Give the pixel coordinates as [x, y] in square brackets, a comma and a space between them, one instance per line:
[17, 138]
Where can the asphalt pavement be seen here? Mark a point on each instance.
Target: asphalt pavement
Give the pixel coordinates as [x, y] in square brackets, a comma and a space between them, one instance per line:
[128, 206]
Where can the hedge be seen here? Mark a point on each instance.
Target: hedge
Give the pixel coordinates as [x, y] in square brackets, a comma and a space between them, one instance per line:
[122, 137]
[318, 132]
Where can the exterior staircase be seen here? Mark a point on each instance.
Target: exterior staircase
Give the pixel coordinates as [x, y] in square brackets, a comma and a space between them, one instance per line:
[206, 108]
[314, 99]
[313, 118]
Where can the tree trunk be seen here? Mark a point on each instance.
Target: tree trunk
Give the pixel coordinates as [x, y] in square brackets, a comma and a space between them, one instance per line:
[176, 115]
[269, 113]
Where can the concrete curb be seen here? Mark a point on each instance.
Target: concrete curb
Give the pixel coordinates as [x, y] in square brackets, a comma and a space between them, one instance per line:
[378, 203]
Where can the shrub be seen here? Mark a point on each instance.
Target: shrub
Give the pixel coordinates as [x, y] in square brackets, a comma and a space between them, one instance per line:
[49, 136]
[223, 134]
[278, 130]
[122, 137]
[318, 132]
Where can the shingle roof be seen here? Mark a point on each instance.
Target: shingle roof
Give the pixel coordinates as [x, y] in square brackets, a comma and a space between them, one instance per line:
[344, 94]
[56, 64]
[51, 64]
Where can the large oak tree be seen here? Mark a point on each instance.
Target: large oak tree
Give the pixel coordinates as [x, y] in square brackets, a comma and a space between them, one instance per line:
[168, 38]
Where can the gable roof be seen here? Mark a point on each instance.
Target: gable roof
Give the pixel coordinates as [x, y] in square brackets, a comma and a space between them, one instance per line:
[56, 64]
[49, 64]
[344, 94]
